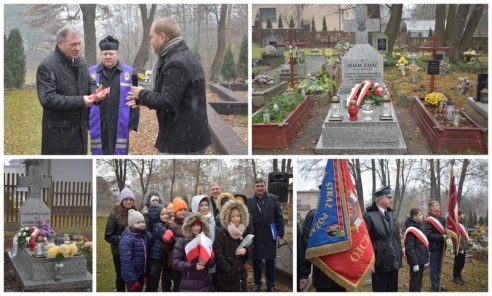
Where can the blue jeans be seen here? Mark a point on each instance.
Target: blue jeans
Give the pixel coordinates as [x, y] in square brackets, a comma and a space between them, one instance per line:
[270, 272]
[435, 269]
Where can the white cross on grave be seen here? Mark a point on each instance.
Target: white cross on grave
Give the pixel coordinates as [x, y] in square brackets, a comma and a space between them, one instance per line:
[35, 182]
[361, 25]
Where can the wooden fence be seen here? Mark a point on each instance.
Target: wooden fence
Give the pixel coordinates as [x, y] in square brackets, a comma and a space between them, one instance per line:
[70, 203]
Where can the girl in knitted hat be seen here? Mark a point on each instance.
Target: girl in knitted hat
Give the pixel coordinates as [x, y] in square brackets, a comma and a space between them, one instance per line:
[133, 252]
[117, 222]
[194, 271]
[231, 270]
[174, 231]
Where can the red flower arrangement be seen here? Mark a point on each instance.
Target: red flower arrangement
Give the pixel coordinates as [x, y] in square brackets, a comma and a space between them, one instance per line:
[366, 90]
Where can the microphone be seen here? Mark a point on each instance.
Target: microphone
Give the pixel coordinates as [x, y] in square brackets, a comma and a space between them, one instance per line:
[134, 79]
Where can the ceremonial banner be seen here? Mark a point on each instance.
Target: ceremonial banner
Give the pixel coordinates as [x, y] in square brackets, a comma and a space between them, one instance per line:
[452, 219]
[339, 244]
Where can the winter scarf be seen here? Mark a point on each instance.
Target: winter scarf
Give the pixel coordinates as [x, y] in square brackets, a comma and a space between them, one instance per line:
[162, 52]
[236, 232]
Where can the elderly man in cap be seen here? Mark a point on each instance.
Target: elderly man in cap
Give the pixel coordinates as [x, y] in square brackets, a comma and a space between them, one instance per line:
[382, 226]
[111, 120]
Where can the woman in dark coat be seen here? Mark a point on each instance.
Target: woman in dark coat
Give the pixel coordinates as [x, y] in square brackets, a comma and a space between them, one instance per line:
[194, 274]
[117, 222]
[231, 270]
[416, 249]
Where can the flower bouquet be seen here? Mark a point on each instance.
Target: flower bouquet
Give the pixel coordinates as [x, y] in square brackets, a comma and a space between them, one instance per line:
[25, 234]
[433, 98]
[61, 251]
[46, 230]
[366, 90]
[403, 61]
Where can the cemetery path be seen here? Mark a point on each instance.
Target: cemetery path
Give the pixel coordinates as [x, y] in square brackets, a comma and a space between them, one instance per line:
[305, 141]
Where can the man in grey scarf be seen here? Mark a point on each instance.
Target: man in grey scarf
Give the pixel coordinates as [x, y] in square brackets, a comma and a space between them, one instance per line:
[177, 93]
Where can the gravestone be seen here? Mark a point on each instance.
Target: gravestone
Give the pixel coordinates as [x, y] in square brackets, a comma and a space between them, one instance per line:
[34, 209]
[362, 61]
[38, 273]
[314, 62]
[380, 42]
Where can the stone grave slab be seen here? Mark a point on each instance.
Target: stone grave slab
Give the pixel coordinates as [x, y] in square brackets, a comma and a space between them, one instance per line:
[478, 111]
[361, 137]
[33, 209]
[314, 62]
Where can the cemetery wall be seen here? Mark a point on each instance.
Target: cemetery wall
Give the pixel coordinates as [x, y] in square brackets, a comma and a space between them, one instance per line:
[329, 39]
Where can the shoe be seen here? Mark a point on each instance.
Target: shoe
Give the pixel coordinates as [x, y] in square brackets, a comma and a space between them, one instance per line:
[458, 281]
[462, 280]
[271, 289]
[443, 289]
[257, 289]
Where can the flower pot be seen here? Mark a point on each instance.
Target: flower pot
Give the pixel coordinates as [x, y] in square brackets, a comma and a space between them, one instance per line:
[58, 271]
[449, 139]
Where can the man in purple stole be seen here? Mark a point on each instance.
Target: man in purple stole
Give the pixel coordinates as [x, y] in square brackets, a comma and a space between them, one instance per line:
[111, 120]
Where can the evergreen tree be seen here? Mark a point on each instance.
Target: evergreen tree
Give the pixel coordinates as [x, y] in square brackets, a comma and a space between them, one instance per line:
[269, 24]
[196, 50]
[229, 70]
[324, 29]
[243, 56]
[313, 25]
[14, 60]
[280, 23]
[292, 25]
[430, 32]
[469, 220]
[475, 221]
[481, 221]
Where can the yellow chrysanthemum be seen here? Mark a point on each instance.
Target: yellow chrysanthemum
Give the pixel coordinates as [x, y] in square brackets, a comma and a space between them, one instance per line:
[64, 250]
[49, 246]
[52, 251]
[434, 98]
[73, 250]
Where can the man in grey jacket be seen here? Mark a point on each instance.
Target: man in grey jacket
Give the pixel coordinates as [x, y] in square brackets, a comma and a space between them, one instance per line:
[64, 90]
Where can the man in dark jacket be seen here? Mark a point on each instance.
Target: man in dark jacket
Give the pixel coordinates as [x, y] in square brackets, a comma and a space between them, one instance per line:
[321, 282]
[435, 226]
[265, 211]
[111, 120]
[178, 93]
[416, 249]
[64, 87]
[382, 226]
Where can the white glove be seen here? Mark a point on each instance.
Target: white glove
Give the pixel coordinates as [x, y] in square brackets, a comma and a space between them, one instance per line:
[415, 268]
[445, 237]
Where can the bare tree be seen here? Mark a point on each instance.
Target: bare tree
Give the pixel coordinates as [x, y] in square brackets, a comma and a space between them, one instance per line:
[144, 169]
[89, 20]
[221, 31]
[143, 52]
[393, 27]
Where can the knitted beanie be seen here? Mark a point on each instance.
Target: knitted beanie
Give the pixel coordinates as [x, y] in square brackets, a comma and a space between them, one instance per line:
[126, 193]
[179, 204]
[134, 217]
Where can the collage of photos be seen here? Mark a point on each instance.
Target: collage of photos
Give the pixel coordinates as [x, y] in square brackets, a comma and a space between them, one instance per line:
[245, 147]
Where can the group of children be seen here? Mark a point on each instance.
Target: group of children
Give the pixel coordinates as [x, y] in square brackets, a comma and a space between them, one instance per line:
[156, 246]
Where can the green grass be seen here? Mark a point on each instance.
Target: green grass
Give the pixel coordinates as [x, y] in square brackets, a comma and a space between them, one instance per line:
[22, 115]
[106, 275]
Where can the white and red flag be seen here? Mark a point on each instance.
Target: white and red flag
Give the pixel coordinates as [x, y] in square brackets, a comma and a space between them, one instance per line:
[200, 246]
